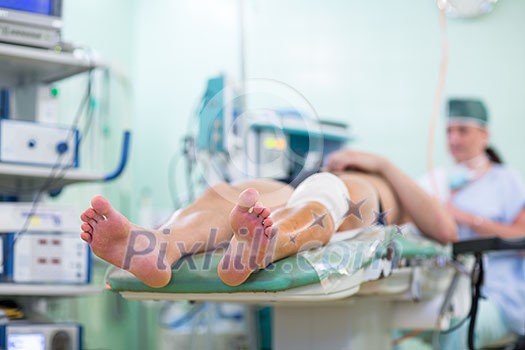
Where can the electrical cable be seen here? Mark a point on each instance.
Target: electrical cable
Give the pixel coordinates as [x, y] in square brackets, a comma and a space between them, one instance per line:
[72, 131]
[89, 119]
[57, 172]
[211, 153]
[186, 318]
[172, 183]
[456, 326]
[478, 276]
[195, 325]
[438, 96]
[189, 155]
[407, 336]
[176, 157]
[223, 159]
[460, 271]
[53, 175]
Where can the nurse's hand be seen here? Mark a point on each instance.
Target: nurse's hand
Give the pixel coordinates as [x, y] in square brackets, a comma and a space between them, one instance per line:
[353, 160]
[462, 217]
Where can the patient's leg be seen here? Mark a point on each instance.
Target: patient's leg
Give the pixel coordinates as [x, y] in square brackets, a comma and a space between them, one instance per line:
[149, 254]
[310, 218]
[319, 206]
[366, 193]
[113, 238]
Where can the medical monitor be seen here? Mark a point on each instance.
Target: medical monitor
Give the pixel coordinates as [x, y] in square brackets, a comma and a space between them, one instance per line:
[23, 335]
[31, 22]
[28, 341]
[32, 12]
[219, 108]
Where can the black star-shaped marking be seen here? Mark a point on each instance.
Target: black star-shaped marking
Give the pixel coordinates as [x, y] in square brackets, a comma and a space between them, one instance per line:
[380, 217]
[398, 230]
[318, 220]
[292, 238]
[354, 209]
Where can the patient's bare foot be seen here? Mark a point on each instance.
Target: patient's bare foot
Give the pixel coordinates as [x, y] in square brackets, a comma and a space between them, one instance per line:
[250, 246]
[114, 239]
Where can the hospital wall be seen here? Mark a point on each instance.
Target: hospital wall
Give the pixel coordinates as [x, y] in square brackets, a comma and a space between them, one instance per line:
[373, 64]
[104, 28]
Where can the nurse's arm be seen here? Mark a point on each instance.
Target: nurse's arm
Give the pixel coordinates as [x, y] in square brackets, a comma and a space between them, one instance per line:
[489, 228]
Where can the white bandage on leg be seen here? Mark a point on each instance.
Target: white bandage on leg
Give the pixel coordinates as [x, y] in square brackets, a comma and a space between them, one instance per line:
[327, 189]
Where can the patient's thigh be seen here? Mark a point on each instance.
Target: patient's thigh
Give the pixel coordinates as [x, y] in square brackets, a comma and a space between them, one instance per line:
[364, 202]
[274, 194]
[370, 189]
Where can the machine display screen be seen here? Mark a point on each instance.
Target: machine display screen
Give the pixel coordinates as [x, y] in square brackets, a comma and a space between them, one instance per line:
[43, 7]
[29, 341]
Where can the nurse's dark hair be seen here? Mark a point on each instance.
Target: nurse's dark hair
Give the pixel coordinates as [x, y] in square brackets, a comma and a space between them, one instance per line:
[493, 155]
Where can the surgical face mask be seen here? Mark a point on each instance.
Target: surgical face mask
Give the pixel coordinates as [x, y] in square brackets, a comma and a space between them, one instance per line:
[461, 174]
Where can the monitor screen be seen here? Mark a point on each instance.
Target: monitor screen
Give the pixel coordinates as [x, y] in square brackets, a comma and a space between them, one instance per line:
[29, 341]
[43, 7]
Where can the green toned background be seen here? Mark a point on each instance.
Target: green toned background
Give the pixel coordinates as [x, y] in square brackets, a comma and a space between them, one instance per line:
[373, 64]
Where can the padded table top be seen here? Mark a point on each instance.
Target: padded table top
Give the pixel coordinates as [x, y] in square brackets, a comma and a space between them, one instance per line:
[198, 273]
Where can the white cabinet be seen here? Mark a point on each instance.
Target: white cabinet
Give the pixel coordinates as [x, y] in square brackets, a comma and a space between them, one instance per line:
[27, 66]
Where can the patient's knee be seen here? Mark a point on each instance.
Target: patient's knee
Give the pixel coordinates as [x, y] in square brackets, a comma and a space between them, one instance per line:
[364, 203]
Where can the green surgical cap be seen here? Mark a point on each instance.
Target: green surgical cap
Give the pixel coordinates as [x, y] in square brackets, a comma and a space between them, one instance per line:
[467, 110]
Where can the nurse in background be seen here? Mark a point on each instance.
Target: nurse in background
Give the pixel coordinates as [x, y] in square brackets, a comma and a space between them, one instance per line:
[487, 199]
